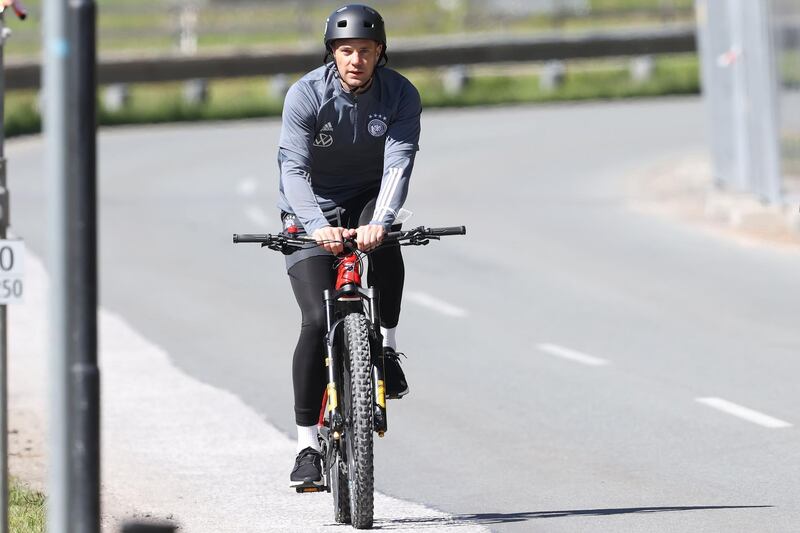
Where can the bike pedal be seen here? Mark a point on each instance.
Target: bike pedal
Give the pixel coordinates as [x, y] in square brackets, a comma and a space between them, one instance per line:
[309, 486]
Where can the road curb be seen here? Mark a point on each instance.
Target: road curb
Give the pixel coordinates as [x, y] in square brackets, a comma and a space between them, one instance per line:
[745, 212]
[682, 187]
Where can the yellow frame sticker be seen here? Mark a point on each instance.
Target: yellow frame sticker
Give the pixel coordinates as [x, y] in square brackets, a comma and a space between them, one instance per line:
[333, 399]
[381, 394]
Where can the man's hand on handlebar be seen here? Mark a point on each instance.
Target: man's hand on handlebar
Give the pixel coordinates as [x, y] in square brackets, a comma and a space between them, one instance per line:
[331, 238]
[367, 237]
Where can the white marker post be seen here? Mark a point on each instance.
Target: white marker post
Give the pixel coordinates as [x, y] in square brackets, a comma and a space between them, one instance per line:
[3, 335]
[11, 269]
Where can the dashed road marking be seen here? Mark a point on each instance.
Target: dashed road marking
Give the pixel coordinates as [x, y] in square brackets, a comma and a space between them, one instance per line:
[440, 306]
[744, 413]
[572, 355]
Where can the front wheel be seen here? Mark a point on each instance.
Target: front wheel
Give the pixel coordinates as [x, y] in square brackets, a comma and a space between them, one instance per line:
[358, 419]
[340, 489]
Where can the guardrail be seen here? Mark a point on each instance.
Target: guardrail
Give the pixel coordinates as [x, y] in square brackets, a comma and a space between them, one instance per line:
[408, 54]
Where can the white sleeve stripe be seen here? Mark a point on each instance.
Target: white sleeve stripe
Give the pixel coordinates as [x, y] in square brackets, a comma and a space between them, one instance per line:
[398, 175]
[393, 175]
[384, 198]
[383, 189]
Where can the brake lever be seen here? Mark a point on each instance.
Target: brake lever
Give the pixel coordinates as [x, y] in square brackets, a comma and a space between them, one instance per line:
[285, 245]
[419, 240]
[279, 245]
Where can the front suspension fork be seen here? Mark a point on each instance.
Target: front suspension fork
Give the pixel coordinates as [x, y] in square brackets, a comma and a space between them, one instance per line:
[332, 364]
[378, 382]
[379, 394]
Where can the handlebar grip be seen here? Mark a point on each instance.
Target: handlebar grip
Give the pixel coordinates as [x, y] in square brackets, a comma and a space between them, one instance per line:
[453, 230]
[250, 237]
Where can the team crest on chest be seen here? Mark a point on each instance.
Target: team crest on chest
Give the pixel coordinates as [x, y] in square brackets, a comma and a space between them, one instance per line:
[377, 125]
[323, 140]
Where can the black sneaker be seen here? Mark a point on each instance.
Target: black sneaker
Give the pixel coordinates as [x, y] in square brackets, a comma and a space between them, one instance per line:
[396, 385]
[307, 466]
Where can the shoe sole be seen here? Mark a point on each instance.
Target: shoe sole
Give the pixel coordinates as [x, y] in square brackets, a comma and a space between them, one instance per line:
[398, 396]
[309, 486]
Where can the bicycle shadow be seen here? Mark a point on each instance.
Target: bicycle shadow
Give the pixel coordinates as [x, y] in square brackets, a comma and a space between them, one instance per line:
[504, 518]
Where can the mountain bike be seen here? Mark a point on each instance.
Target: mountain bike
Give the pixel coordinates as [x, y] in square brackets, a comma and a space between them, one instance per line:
[354, 402]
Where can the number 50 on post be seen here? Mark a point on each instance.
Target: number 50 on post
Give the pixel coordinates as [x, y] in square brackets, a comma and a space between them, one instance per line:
[12, 268]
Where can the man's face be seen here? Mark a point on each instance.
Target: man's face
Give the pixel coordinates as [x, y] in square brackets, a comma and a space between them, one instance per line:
[356, 59]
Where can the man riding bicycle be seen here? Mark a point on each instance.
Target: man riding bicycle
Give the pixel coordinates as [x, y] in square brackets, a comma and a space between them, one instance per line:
[348, 140]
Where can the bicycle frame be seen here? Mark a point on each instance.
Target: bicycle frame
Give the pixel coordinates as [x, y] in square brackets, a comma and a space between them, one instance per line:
[347, 297]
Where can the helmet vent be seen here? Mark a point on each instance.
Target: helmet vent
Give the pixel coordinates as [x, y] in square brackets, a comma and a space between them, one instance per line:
[368, 24]
[341, 24]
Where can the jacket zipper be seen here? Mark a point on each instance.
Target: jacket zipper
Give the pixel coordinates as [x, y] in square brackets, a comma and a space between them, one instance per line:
[355, 119]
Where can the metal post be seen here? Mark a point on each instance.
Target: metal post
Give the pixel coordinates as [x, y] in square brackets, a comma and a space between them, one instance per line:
[743, 176]
[70, 129]
[768, 140]
[81, 225]
[55, 50]
[3, 323]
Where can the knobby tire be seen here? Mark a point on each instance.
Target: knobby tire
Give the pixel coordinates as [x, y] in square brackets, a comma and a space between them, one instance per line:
[338, 469]
[340, 490]
[359, 430]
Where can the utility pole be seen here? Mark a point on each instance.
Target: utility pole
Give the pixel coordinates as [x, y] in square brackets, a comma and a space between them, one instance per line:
[4, 223]
[70, 89]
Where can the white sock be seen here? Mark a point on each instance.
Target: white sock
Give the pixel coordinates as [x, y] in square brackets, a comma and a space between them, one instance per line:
[388, 338]
[307, 437]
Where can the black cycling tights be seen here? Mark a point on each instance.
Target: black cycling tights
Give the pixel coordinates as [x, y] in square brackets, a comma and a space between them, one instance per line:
[309, 278]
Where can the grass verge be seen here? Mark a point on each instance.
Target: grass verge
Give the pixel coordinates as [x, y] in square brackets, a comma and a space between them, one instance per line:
[250, 98]
[26, 509]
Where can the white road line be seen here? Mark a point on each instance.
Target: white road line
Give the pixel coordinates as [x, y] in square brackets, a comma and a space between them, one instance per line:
[247, 187]
[744, 413]
[257, 216]
[572, 355]
[426, 300]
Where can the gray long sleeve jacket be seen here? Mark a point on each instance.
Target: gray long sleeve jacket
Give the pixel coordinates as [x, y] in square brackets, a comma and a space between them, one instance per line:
[335, 145]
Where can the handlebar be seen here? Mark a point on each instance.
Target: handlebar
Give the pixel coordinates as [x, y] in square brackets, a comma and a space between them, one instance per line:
[17, 6]
[288, 243]
[441, 232]
[265, 238]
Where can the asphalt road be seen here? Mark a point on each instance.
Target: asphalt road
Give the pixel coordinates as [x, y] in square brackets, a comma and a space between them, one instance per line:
[568, 358]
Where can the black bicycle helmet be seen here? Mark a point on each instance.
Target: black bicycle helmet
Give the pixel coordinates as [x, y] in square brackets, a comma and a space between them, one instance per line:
[355, 21]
